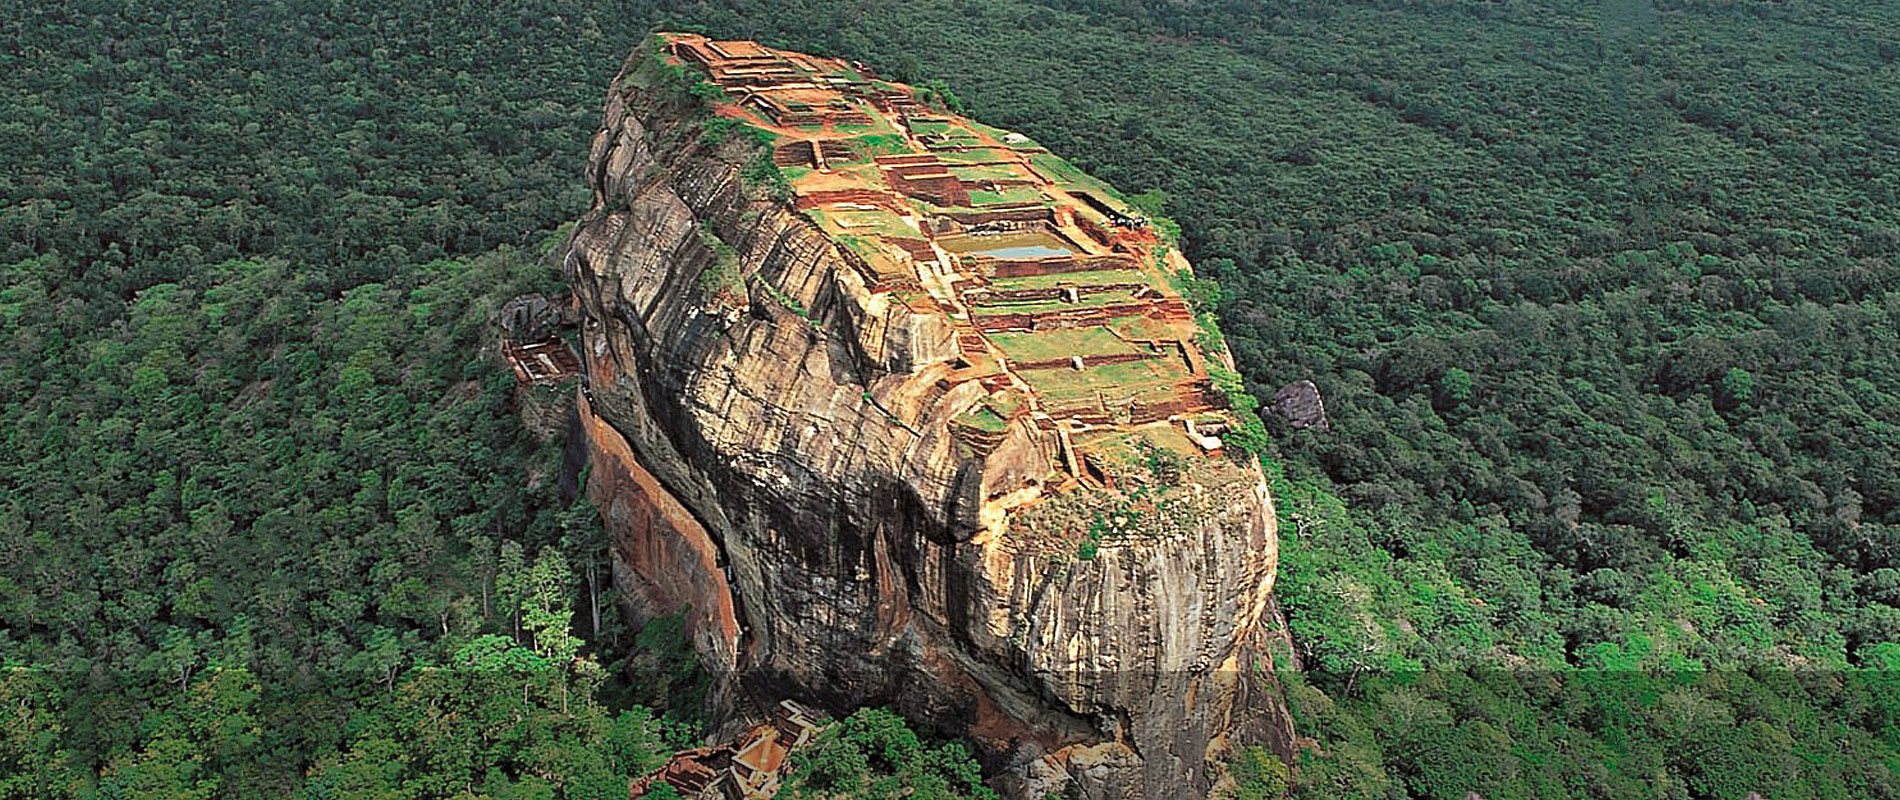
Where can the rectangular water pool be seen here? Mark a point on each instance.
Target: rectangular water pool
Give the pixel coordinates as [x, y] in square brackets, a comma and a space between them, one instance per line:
[1013, 246]
[1026, 251]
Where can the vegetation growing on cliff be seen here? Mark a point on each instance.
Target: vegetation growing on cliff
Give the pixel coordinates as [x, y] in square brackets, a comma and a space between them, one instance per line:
[763, 175]
[654, 71]
[724, 279]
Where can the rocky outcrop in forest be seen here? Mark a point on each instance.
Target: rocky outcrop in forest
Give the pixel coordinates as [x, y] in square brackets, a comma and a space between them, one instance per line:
[784, 454]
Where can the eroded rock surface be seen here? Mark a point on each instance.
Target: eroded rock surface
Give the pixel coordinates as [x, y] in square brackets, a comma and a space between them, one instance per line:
[1300, 403]
[775, 455]
[530, 317]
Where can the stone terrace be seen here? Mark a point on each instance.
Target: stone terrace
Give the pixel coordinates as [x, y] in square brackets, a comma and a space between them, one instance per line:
[1055, 286]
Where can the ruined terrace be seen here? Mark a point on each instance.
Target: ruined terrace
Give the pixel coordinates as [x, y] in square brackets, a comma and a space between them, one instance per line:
[1058, 289]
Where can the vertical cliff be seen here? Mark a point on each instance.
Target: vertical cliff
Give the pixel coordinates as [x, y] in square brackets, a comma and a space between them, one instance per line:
[832, 440]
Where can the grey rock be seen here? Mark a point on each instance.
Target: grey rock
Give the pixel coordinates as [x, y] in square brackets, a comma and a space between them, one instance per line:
[1299, 402]
[530, 318]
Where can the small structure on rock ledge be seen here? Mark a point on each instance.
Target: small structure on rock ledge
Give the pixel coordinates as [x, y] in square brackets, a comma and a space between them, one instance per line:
[747, 768]
[543, 363]
[532, 344]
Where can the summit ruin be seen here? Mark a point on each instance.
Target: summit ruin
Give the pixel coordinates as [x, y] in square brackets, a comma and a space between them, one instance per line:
[1057, 288]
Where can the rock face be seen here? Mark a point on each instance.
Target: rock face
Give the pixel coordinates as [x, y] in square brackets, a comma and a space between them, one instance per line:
[1299, 402]
[773, 454]
[529, 318]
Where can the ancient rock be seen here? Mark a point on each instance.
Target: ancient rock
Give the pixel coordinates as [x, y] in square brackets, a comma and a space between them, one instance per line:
[1299, 402]
[530, 318]
[789, 447]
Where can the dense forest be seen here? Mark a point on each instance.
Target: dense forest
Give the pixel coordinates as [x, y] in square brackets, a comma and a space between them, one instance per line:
[1604, 300]
[269, 522]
